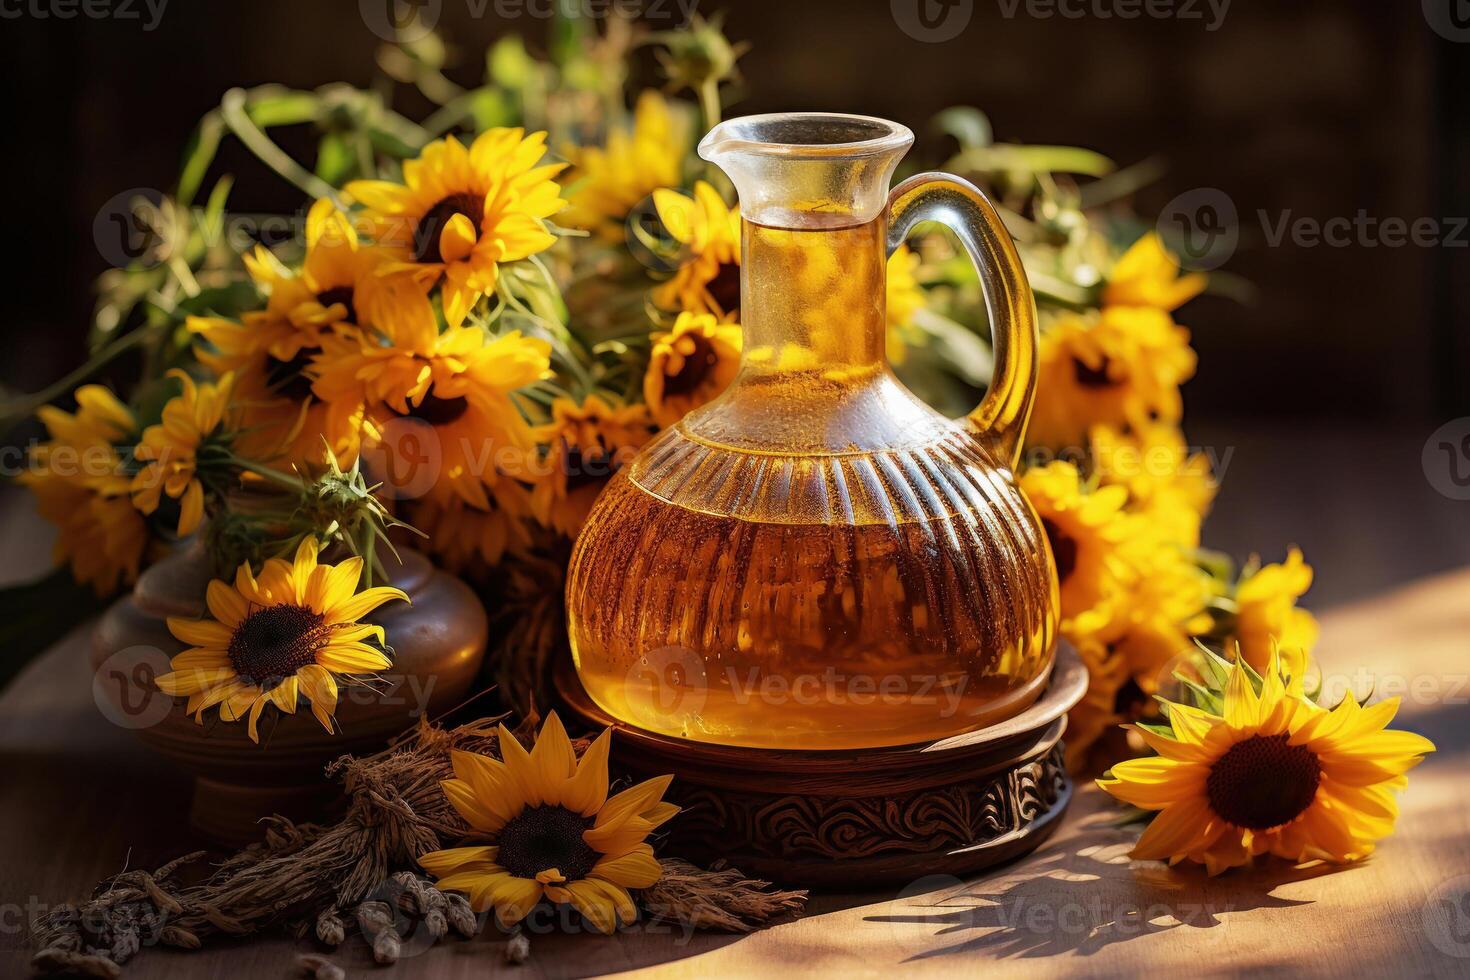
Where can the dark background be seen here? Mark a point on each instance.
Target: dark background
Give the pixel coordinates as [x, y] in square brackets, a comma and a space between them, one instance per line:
[1325, 386]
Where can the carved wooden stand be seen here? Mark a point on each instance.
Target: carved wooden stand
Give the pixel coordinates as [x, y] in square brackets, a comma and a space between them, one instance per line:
[852, 818]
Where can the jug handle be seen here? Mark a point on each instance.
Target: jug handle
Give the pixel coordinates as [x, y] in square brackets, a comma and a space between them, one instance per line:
[1002, 415]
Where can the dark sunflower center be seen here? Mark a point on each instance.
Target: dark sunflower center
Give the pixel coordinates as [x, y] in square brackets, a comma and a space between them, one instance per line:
[542, 837]
[438, 411]
[697, 366]
[1263, 782]
[1063, 549]
[1093, 377]
[586, 469]
[275, 642]
[432, 224]
[724, 288]
[288, 378]
[1130, 699]
[339, 294]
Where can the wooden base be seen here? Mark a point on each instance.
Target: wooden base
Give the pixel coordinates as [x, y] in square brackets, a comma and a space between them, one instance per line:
[835, 819]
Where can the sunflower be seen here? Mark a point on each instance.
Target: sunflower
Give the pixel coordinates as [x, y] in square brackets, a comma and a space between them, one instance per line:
[1090, 718]
[1085, 529]
[1120, 367]
[903, 299]
[463, 536]
[689, 365]
[456, 386]
[81, 483]
[586, 444]
[271, 639]
[270, 352]
[1148, 275]
[608, 182]
[1271, 772]
[194, 423]
[1167, 484]
[1132, 640]
[1161, 608]
[1267, 618]
[708, 278]
[461, 212]
[552, 831]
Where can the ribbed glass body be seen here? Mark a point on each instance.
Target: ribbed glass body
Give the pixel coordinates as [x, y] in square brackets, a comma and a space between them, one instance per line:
[816, 559]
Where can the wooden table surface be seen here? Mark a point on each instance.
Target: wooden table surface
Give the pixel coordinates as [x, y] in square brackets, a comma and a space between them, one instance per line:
[81, 799]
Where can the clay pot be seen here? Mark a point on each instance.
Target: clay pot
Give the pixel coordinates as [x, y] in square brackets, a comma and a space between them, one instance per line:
[438, 644]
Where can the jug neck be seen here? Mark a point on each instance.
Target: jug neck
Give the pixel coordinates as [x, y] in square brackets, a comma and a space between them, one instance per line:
[813, 301]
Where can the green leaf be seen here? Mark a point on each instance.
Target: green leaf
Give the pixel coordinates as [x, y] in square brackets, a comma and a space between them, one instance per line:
[199, 153]
[969, 126]
[1014, 157]
[507, 63]
[272, 105]
[336, 159]
[491, 107]
[958, 347]
[35, 615]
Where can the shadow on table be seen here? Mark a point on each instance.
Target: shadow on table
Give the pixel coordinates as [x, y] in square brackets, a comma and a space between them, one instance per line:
[1082, 898]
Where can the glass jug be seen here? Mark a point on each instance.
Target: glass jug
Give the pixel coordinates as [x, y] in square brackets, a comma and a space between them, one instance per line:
[817, 559]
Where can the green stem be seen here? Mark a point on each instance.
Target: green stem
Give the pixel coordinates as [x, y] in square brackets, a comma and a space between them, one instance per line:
[709, 102]
[232, 108]
[23, 406]
[265, 472]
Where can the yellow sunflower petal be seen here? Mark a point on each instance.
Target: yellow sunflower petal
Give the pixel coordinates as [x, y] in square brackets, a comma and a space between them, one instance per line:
[440, 863]
[603, 905]
[1176, 830]
[191, 508]
[514, 899]
[619, 837]
[520, 768]
[634, 800]
[303, 565]
[552, 759]
[283, 695]
[200, 632]
[192, 680]
[353, 609]
[457, 239]
[470, 806]
[352, 658]
[636, 869]
[587, 790]
[320, 687]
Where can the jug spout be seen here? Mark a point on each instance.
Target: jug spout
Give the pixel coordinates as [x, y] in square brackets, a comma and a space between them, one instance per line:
[808, 169]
